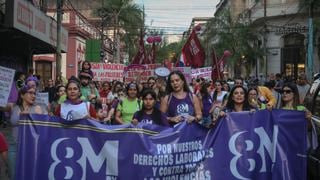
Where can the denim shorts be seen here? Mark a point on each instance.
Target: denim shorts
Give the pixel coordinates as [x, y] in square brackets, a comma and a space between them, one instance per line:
[206, 121]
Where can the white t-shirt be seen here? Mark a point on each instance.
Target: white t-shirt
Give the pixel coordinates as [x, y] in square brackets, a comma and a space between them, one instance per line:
[74, 111]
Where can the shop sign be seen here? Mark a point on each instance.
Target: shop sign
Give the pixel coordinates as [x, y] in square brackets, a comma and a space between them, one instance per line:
[30, 20]
[291, 28]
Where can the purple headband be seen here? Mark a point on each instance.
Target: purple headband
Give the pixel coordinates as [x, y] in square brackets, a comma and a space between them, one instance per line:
[32, 78]
[25, 88]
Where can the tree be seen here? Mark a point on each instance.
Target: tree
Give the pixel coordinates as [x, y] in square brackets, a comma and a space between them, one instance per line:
[236, 36]
[126, 19]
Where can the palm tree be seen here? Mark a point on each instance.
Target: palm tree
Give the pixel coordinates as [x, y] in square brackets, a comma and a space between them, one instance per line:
[126, 18]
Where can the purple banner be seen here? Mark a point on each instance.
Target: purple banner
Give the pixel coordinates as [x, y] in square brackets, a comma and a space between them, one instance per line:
[261, 145]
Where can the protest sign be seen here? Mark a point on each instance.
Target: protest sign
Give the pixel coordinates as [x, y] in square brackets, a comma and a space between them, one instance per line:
[6, 79]
[186, 71]
[261, 145]
[107, 72]
[42, 98]
[201, 73]
[140, 71]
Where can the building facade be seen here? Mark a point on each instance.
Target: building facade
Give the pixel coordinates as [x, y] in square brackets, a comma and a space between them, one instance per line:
[282, 26]
[25, 31]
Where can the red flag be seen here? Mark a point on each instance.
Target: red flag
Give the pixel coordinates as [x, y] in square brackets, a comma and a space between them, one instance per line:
[140, 56]
[218, 65]
[215, 75]
[193, 52]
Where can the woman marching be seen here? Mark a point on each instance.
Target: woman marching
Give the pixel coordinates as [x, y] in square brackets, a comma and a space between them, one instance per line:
[290, 99]
[149, 114]
[180, 104]
[74, 108]
[237, 101]
[25, 104]
[129, 105]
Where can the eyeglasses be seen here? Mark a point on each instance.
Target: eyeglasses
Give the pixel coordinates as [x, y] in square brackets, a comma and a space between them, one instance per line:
[286, 91]
[32, 93]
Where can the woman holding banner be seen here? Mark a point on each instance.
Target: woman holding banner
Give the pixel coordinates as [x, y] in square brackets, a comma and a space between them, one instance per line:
[180, 104]
[237, 101]
[24, 105]
[290, 99]
[74, 108]
[149, 114]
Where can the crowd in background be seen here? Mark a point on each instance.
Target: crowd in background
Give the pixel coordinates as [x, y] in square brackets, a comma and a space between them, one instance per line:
[162, 101]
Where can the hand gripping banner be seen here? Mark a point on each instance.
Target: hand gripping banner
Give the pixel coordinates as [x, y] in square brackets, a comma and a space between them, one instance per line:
[261, 145]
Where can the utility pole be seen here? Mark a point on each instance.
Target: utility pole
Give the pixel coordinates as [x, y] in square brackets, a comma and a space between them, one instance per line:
[265, 61]
[310, 42]
[102, 54]
[59, 24]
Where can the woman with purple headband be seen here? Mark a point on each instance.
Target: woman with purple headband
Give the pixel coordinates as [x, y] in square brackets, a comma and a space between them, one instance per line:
[24, 105]
[74, 108]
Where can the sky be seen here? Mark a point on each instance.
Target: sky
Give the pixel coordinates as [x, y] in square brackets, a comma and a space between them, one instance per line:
[175, 16]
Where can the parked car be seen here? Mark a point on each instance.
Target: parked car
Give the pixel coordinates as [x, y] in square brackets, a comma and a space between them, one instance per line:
[312, 102]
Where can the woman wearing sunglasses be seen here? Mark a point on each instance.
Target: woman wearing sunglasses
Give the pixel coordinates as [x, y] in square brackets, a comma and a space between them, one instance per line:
[290, 99]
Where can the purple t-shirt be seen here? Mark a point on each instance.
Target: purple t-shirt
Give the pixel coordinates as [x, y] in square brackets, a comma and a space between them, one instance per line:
[183, 107]
[147, 118]
[207, 103]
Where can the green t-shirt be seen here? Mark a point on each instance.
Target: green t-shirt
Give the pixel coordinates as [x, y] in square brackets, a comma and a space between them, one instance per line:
[299, 108]
[128, 108]
[86, 91]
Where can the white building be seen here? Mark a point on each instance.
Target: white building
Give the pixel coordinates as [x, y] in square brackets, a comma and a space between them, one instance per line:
[284, 28]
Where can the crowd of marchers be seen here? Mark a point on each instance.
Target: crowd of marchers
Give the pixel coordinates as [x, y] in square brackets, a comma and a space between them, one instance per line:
[161, 100]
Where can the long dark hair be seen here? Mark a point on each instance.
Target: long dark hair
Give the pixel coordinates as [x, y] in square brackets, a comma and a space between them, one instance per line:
[85, 62]
[185, 84]
[204, 89]
[296, 98]
[215, 93]
[230, 103]
[56, 97]
[156, 113]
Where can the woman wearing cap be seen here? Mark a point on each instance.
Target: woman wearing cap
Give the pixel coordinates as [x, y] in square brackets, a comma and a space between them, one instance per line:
[180, 104]
[129, 105]
[74, 108]
[88, 91]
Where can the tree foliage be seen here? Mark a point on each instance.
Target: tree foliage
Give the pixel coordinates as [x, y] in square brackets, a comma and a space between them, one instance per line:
[126, 18]
[234, 35]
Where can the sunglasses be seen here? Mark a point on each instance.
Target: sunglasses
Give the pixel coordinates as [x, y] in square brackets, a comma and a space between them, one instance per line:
[286, 91]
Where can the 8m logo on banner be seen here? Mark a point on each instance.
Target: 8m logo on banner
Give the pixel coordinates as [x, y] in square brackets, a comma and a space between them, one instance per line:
[239, 151]
[73, 158]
